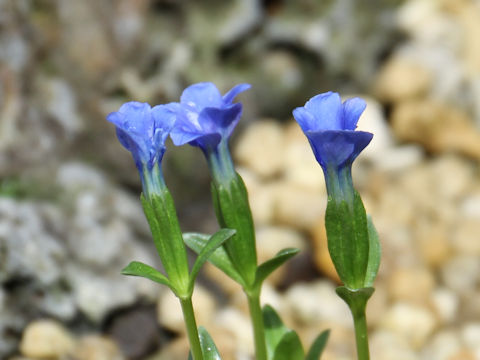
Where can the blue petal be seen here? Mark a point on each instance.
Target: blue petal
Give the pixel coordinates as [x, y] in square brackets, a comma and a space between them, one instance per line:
[327, 110]
[352, 109]
[221, 121]
[201, 95]
[306, 120]
[229, 96]
[337, 147]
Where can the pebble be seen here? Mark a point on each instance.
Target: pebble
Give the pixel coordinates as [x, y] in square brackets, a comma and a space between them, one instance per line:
[461, 273]
[169, 310]
[303, 301]
[446, 304]
[94, 347]
[413, 285]
[261, 148]
[413, 323]
[386, 345]
[444, 345]
[401, 79]
[44, 339]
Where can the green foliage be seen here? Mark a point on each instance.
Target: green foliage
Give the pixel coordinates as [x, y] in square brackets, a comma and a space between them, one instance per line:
[233, 212]
[137, 268]
[269, 266]
[374, 254]
[209, 349]
[348, 240]
[284, 343]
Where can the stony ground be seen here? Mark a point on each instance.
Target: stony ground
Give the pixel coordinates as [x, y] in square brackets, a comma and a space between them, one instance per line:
[70, 218]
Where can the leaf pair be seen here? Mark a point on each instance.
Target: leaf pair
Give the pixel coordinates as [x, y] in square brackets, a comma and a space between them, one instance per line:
[209, 349]
[222, 260]
[212, 243]
[284, 343]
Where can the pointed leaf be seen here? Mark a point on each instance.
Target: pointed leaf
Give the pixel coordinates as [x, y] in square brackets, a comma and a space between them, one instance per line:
[318, 346]
[374, 254]
[219, 258]
[211, 245]
[265, 269]
[209, 350]
[289, 348]
[137, 268]
[274, 329]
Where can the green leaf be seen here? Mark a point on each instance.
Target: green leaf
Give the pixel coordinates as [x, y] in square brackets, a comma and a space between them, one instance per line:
[374, 254]
[318, 346]
[265, 269]
[289, 347]
[137, 268]
[219, 257]
[233, 212]
[162, 218]
[209, 350]
[274, 329]
[211, 245]
[348, 240]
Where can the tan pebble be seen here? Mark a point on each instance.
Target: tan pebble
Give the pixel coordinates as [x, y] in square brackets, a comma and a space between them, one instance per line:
[432, 238]
[298, 207]
[237, 325]
[386, 345]
[411, 322]
[411, 284]
[260, 148]
[170, 314]
[401, 79]
[46, 339]
[97, 348]
[226, 283]
[438, 127]
[446, 303]
[466, 237]
[177, 349]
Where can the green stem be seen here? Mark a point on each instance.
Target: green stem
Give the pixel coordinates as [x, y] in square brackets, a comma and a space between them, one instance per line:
[258, 326]
[356, 300]
[192, 331]
[361, 334]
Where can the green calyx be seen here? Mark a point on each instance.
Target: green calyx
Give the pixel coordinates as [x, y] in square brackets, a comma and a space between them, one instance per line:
[352, 242]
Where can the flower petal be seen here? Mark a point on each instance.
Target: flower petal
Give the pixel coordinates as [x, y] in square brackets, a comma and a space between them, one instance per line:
[305, 119]
[237, 89]
[352, 109]
[337, 147]
[327, 110]
[201, 95]
[221, 120]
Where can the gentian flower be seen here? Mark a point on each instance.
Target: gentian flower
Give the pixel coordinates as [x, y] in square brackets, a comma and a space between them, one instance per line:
[206, 119]
[142, 130]
[330, 126]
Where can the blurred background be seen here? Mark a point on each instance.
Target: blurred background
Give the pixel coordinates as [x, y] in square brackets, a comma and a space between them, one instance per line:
[70, 216]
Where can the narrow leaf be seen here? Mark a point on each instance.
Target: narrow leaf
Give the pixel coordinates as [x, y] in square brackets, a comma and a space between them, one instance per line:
[265, 269]
[318, 346]
[274, 329]
[374, 254]
[209, 350]
[137, 268]
[219, 257]
[289, 348]
[215, 241]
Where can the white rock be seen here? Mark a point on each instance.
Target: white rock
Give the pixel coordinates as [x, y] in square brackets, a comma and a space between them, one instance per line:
[461, 273]
[169, 310]
[443, 346]
[387, 345]
[317, 302]
[46, 339]
[446, 304]
[470, 334]
[238, 325]
[75, 175]
[413, 323]
[261, 148]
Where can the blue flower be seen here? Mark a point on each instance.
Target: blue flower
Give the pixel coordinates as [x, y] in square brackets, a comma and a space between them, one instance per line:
[204, 117]
[142, 130]
[330, 128]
